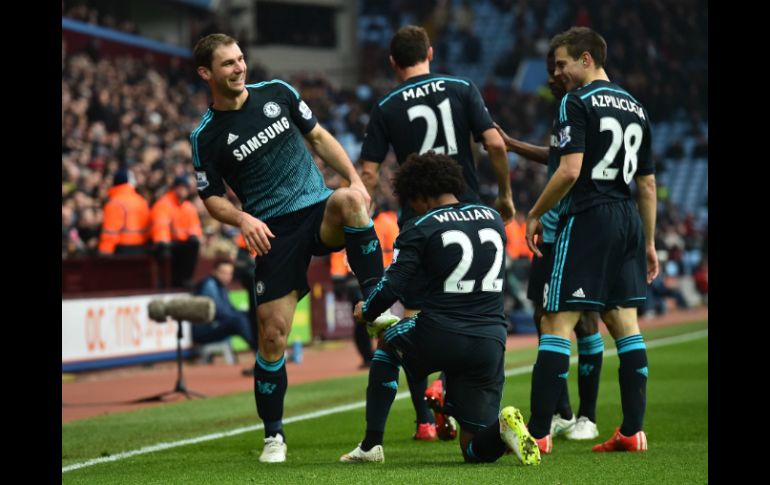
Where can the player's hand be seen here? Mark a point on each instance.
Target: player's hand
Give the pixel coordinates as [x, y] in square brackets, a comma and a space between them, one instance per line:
[534, 234]
[506, 139]
[653, 267]
[504, 206]
[256, 234]
[358, 312]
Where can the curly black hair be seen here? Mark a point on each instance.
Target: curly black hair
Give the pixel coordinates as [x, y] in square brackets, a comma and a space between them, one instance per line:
[428, 175]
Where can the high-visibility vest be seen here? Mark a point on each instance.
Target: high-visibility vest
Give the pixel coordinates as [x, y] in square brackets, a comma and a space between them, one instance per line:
[240, 241]
[338, 262]
[523, 248]
[516, 247]
[386, 226]
[172, 221]
[126, 220]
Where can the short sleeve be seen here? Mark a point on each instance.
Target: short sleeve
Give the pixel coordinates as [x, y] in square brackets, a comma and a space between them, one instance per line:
[573, 119]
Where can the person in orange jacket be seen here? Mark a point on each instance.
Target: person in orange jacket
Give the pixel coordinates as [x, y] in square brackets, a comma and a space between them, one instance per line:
[386, 225]
[126, 224]
[517, 242]
[176, 231]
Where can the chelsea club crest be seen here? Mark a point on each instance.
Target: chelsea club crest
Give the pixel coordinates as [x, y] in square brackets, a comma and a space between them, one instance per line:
[271, 109]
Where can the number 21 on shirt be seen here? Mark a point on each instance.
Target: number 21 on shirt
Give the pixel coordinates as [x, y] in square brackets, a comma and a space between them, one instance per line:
[426, 112]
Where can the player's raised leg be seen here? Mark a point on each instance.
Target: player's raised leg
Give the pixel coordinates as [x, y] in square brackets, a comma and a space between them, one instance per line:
[346, 221]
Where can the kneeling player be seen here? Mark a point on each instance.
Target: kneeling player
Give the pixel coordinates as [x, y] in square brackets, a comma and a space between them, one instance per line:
[461, 329]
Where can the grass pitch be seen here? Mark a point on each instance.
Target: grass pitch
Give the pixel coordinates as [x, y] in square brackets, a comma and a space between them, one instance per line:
[676, 424]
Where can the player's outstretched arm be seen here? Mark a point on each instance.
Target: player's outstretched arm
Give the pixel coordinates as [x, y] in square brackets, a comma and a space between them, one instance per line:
[527, 150]
[648, 201]
[330, 150]
[255, 232]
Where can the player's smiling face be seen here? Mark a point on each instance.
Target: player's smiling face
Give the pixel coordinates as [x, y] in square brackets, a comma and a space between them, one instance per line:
[568, 71]
[228, 69]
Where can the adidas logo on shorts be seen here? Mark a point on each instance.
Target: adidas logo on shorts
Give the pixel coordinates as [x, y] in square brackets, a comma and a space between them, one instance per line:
[579, 293]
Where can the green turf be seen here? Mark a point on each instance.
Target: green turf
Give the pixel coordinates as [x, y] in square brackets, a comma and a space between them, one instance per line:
[676, 423]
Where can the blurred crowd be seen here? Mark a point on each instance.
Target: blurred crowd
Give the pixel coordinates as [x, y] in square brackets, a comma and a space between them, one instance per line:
[128, 113]
[658, 49]
[84, 12]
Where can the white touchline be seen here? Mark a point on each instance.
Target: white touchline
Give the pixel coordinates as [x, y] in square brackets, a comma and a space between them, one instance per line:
[661, 342]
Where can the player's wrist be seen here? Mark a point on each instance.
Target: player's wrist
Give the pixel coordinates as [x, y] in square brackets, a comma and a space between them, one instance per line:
[244, 217]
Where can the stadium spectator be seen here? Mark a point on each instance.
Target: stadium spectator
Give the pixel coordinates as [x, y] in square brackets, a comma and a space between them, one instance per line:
[68, 244]
[176, 232]
[88, 229]
[228, 321]
[675, 150]
[701, 277]
[658, 293]
[701, 148]
[126, 220]
[86, 13]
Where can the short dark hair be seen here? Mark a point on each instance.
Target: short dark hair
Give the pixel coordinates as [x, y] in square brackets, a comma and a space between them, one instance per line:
[203, 52]
[428, 175]
[409, 46]
[582, 39]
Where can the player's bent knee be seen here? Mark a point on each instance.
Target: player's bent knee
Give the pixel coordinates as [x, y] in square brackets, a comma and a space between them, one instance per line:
[348, 199]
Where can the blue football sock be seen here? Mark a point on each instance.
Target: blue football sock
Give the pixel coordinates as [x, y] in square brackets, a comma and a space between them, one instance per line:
[590, 351]
[551, 369]
[364, 254]
[632, 375]
[270, 385]
[380, 393]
